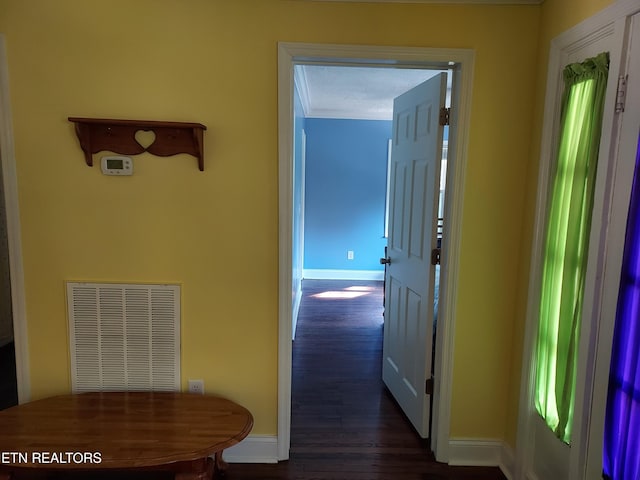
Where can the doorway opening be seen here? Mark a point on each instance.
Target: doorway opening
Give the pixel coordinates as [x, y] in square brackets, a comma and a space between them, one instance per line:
[11, 341]
[14, 292]
[342, 130]
[8, 379]
[460, 61]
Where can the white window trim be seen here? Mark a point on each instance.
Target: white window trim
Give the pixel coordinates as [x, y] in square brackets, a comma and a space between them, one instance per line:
[611, 21]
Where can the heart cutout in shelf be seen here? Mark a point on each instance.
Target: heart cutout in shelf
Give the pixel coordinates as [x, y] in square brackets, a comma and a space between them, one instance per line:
[145, 138]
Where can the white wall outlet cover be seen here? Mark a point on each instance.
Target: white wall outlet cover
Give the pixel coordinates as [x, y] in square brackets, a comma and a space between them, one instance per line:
[196, 386]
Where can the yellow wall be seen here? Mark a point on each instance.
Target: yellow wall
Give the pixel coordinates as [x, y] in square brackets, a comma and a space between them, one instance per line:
[216, 232]
[557, 16]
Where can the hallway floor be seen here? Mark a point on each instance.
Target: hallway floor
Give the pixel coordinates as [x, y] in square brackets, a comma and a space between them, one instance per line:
[345, 424]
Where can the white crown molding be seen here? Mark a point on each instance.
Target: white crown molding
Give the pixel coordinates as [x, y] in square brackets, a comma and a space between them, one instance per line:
[300, 81]
[442, 2]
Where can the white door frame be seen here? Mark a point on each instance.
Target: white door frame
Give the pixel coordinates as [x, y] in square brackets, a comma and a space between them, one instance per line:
[10, 184]
[461, 61]
[609, 23]
[297, 289]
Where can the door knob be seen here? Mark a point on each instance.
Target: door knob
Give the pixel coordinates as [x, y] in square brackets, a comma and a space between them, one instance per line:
[385, 261]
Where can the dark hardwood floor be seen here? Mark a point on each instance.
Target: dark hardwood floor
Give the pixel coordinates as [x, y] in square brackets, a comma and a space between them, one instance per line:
[344, 424]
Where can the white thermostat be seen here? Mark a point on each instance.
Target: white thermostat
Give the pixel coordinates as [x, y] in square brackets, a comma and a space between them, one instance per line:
[117, 165]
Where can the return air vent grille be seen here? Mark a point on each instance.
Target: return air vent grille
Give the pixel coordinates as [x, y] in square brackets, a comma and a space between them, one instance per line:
[124, 337]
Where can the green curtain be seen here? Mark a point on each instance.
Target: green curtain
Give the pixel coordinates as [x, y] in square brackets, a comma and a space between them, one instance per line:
[567, 243]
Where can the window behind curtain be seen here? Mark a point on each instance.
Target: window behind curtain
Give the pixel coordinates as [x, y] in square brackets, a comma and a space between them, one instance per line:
[567, 243]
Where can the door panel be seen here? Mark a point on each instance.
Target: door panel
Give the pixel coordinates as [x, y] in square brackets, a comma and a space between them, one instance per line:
[415, 176]
[418, 208]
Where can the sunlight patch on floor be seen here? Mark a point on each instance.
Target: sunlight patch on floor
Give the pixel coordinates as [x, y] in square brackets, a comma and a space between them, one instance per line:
[335, 294]
[353, 291]
[361, 288]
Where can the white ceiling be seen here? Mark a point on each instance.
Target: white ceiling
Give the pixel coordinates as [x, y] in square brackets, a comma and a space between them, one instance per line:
[354, 92]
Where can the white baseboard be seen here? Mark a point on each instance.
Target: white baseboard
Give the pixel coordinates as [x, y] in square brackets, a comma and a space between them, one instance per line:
[493, 453]
[326, 274]
[254, 449]
[508, 462]
[485, 453]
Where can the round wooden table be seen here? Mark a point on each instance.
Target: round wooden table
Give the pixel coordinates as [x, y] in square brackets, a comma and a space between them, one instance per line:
[116, 430]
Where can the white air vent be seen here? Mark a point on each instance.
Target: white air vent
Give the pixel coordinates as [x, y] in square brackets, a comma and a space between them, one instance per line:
[124, 337]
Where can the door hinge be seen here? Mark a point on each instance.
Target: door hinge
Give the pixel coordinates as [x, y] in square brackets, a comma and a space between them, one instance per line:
[435, 256]
[621, 93]
[445, 113]
[428, 386]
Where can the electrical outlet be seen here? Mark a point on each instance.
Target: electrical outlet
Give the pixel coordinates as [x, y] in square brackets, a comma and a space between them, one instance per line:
[196, 386]
[349, 254]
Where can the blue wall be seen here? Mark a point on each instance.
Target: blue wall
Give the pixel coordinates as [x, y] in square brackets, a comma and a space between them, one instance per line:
[346, 171]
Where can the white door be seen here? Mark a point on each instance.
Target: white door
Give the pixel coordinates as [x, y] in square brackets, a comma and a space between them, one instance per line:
[409, 277]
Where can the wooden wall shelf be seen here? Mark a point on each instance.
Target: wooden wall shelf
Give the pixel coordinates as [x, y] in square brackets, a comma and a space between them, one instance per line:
[119, 136]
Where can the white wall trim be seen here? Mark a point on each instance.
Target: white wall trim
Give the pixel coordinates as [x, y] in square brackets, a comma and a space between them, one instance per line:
[610, 22]
[463, 59]
[598, 340]
[507, 462]
[474, 452]
[446, 2]
[10, 181]
[463, 452]
[296, 310]
[254, 449]
[328, 274]
[482, 452]
[285, 247]
[460, 123]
